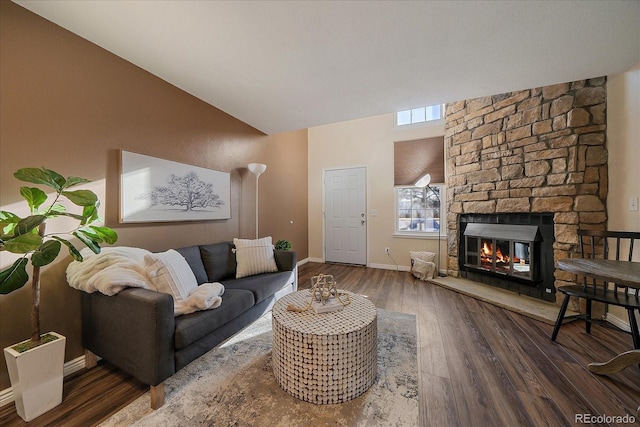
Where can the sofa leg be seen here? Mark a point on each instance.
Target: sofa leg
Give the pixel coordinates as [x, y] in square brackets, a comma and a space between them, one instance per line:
[90, 359]
[157, 396]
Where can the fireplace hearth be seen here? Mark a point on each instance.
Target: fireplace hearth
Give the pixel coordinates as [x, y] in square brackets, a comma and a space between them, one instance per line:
[509, 251]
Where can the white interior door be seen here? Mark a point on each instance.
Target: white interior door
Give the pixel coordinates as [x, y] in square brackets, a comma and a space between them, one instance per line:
[345, 216]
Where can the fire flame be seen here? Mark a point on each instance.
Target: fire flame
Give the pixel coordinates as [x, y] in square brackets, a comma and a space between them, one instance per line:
[487, 254]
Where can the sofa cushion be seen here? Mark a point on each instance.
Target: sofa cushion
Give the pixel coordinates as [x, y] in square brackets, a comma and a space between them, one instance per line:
[286, 260]
[191, 327]
[262, 286]
[219, 261]
[192, 255]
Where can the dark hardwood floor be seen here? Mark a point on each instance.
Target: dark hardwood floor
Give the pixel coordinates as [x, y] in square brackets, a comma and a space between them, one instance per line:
[479, 365]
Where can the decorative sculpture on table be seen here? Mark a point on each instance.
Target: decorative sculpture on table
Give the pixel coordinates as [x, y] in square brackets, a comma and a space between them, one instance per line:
[324, 296]
[323, 287]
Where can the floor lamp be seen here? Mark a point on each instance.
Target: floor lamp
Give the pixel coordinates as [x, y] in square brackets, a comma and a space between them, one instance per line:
[423, 183]
[257, 169]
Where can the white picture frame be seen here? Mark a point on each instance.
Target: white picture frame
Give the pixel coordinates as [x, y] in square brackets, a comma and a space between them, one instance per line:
[157, 190]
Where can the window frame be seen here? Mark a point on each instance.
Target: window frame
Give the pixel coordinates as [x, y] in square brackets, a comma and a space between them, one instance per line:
[420, 122]
[421, 234]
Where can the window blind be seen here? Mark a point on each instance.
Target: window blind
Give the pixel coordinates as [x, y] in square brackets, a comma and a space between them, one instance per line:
[413, 159]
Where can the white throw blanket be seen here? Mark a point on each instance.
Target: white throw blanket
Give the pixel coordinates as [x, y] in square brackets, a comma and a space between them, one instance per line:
[110, 271]
[204, 297]
[117, 268]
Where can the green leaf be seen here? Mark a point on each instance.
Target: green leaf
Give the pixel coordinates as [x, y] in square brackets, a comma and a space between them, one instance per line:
[8, 222]
[23, 244]
[28, 224]
[74, 216]
[73, 251]
[41, 176]
[106, 234]
[59, 179]
[99, 234]
[34, 197]
[8, 216]
[90, 214]
[46, 253]
[74, 180]
[81, 197]
[91, 244]
[57, 209]
[14, 277]
[90, 234]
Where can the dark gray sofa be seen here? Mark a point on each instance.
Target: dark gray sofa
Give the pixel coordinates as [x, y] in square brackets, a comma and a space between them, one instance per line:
[136, 329]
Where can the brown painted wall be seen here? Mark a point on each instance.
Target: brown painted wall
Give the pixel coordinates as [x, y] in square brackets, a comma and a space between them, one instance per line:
[283, 190]
[70, 106]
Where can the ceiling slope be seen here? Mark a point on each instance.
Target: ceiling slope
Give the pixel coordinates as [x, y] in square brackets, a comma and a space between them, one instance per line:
[286, 65]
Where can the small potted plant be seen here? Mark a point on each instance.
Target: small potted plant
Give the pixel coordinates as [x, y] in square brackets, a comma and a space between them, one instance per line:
[37, 386]
[282, 245]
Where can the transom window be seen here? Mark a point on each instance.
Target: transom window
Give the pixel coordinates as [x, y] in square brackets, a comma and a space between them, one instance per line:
[419, 115]
[419, 210]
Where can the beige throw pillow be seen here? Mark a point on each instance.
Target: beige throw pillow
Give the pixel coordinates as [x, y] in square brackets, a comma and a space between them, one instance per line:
[254, 257]
[422, 264]
[170, 273]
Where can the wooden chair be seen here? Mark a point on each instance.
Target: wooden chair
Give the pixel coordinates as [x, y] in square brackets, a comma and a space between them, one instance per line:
[598, 244]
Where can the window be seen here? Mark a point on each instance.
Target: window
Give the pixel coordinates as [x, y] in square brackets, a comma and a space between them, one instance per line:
[419, 210]
[419, 115]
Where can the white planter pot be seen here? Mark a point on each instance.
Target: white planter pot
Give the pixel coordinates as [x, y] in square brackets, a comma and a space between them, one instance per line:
[36, 377]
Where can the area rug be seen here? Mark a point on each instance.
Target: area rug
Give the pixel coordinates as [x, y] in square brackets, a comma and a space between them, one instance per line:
[233, 385]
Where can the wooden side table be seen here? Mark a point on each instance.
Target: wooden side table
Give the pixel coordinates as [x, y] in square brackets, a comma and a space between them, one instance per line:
[325, 358]
[621, 272]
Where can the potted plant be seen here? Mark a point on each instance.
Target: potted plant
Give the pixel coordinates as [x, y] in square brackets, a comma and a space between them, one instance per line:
[36, 385]
[282, 245]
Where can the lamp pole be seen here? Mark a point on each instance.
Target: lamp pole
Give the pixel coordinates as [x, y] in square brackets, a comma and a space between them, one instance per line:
[257, 169]
[439, 225]
[423, 183]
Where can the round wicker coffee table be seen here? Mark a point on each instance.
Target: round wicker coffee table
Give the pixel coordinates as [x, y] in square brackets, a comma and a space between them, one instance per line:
[325, 358]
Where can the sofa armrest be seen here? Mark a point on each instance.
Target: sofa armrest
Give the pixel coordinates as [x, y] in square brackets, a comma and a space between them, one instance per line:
[133, 330]
[285, 260]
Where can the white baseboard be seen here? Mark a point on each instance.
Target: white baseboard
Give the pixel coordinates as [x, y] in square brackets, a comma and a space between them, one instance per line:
[6, 395]
[376, 265]
[389, 267]
[372, 265]
[622, 324]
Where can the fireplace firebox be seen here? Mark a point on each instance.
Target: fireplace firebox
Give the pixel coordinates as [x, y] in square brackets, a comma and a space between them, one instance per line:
[510, 251]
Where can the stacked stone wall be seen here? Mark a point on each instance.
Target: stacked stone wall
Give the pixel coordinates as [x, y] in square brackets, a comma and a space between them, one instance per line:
[535, 150]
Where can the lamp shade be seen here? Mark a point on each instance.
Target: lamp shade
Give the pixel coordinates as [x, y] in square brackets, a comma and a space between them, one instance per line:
[423, 181]
[257, 168]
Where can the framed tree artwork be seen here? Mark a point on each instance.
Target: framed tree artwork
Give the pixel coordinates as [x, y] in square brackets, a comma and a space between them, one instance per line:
[157, 190]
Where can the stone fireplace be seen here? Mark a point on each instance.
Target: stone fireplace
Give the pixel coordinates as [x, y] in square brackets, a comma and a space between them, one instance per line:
[540, 152]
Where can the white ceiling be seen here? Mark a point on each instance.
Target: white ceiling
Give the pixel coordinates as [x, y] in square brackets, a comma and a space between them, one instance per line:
[288, 65]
